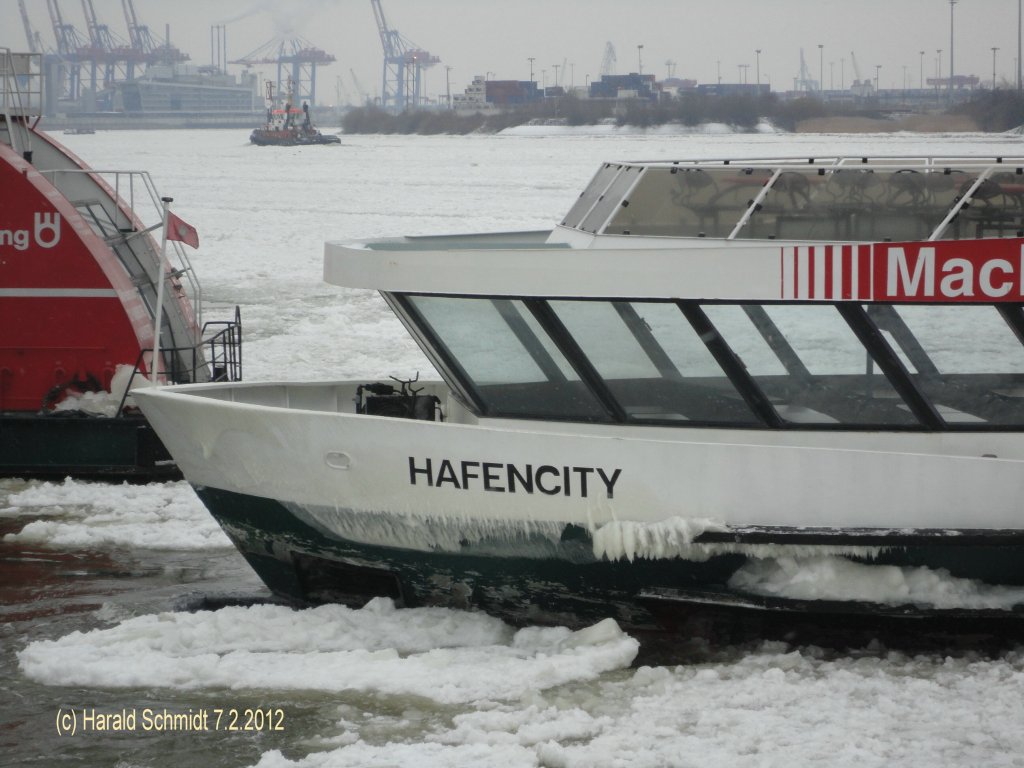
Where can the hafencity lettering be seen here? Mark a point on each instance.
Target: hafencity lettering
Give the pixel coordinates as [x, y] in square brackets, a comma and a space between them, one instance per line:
[500, 477]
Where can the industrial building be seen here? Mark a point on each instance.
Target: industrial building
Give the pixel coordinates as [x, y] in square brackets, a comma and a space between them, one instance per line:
[181, 88]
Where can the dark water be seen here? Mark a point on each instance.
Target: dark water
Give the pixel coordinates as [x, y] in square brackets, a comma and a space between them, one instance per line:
[47, 594]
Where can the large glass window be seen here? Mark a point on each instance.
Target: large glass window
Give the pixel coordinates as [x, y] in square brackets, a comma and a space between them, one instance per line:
[611, 199]
[833, 203]
[512, 365]
[966, 359]
[688, 202]
[733, 364]
[810, 364]
[653, 361]
[591, 194]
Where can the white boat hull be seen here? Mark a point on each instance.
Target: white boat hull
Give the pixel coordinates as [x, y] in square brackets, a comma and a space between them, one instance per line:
[330, 505]
[266, 443]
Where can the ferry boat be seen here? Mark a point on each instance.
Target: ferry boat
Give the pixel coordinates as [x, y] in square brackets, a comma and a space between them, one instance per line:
[287, 125]
[704, 365]
[81, 280]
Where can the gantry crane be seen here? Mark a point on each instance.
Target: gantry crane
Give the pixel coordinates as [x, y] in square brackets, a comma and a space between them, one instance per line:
[860, 87]
[296, 60]
[609, 60]
[360, 91]
[805, 82]
[146, 43]
[69, 44]
[35, 44]
[107, 51]
[404, 63]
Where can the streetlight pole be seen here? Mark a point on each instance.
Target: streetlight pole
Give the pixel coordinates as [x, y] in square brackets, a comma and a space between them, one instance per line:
[718, 62]
[921, 86]
[994, 49]
[640, 59]
[821, 67]
[556, 74]
[531, 60]
[758, 52]
[878, 68]
[448, 84]
[952, 3]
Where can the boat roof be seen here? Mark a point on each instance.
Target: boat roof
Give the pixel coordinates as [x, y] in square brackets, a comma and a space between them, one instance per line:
[853, 198]
[835, 229]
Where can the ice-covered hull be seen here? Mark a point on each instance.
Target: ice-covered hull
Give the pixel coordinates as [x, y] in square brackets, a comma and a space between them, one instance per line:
[541, 525]
[709, 372]
[532, 580]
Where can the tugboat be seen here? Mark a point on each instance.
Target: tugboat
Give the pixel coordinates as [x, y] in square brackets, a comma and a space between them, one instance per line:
[83, 286]
[288, 126]
[706, 368]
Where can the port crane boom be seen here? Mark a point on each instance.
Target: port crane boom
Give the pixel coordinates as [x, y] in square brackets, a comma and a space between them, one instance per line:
[404, 63]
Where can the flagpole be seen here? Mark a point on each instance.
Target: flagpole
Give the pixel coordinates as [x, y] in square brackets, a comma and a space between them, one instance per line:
[160, 291]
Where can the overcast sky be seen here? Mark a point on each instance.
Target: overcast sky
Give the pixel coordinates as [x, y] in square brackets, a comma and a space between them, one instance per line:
[496, 39]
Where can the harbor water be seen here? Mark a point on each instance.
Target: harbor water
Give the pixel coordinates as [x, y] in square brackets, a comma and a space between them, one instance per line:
[133, 635]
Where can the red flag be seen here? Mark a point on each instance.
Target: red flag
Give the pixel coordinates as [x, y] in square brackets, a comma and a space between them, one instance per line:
[180, 231]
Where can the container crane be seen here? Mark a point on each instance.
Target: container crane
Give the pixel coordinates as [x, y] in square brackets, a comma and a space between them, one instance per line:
[404, 62]
[860, 87]
[69, 43]
[805, 82]
[35, 45]
[145, 43]
[609, 61]
[360, 91]
[106, 50]
[297, 60]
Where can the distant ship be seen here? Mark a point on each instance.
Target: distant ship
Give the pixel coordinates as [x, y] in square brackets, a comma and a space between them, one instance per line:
[288, 126]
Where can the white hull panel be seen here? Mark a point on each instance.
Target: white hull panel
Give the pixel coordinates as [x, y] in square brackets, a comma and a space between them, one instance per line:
[472, 477]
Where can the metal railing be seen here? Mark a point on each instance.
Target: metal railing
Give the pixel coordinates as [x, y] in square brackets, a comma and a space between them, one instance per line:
[21, 83]
[21, 97]
[221, 362]
[137, 210]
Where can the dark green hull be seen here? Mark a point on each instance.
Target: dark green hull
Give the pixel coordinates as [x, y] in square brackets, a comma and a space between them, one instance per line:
[566, 585]
[58, 446]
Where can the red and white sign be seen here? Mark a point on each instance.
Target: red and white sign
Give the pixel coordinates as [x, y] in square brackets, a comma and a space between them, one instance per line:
[827, 272]
[941, 271]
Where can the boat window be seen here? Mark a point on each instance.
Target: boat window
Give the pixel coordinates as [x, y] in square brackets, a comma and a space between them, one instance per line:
[653, 362]
[852, 204]
[810, 364]
[866, 204]
[511, 363]
[966, 359]
[688, 202]
[611, 199]
[590, 195]
[98, 219]
[996, 206]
